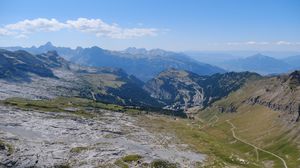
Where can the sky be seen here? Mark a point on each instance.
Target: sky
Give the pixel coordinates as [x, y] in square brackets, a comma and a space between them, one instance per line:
[177, 25]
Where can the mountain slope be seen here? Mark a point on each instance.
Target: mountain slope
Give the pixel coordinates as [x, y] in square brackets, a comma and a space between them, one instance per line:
[48, 75]
[179, 89]
[176, 88]
[114, 86]
[279, 93]
[264, 113]
[18, 65]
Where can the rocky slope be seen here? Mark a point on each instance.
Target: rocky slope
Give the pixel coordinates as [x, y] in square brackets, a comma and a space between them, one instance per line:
[179, 89]
[279, 93]
[19, 64]
[99, 138]
[114, 86]
[263, 114]
[176, 89]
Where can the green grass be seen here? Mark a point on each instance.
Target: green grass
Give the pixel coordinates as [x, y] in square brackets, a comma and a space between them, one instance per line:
[163, 164]
[121, 163]
[105, 80]
[62, 104]
[62, 166]
[79, 149]
[259, 126]
[286, 149]
[124, 161]
[131, 158]
[215, 141]
[10, 149]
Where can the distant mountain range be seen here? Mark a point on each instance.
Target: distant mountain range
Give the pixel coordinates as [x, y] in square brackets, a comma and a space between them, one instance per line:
[141, 63]
[259, 63]
[145, 64]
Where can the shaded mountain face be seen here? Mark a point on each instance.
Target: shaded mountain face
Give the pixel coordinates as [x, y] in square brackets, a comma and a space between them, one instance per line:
[179, 89]
[18, 65]
[64, 52]
[142, 63]
[114, 86]
[257, 63]
[48, 75]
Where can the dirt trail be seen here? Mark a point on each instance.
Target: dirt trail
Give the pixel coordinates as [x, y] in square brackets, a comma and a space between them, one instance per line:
[255, 147]
[210, 122]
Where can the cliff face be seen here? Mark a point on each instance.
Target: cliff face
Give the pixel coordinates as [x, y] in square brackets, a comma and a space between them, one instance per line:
[176, 89]
[280, 93]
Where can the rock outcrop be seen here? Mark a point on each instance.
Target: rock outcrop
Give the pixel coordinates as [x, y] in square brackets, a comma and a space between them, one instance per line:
[281, 93]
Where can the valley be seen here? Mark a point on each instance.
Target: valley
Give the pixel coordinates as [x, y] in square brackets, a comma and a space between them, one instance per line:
[76, 132]
[150, 84]
[80, 116]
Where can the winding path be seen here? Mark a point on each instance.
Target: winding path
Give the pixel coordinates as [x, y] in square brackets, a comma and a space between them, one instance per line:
[255, 147]
[210, 123]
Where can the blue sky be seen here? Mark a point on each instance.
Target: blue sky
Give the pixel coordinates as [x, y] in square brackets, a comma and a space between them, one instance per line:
[168, 24]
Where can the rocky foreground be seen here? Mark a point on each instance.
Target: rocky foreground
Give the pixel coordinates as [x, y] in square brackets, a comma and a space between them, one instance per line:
[52, 139]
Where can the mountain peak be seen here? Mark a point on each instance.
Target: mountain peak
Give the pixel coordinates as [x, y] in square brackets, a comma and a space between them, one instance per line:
[49, 44]
[136, 51]
[259, 55]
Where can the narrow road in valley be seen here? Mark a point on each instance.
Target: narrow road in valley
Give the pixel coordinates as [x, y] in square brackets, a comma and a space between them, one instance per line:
[93, 96]
[210, 122]
[255, 147]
